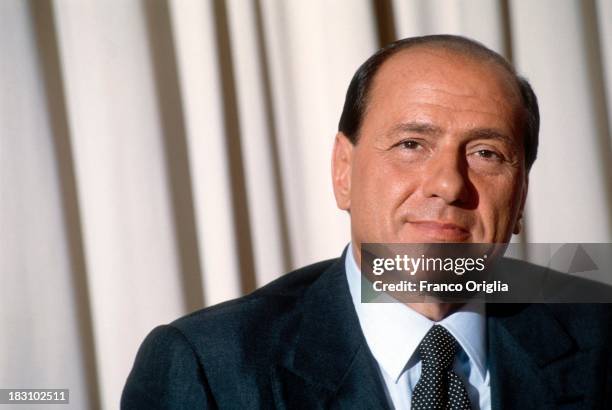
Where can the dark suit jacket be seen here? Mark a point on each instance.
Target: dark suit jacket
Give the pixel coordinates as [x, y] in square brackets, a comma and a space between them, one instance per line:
[297, 344]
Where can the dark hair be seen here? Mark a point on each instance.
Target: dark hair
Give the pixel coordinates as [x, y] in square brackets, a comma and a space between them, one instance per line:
[356, 100]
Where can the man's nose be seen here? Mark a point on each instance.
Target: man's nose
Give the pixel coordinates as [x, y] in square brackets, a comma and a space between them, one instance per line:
[446, 178]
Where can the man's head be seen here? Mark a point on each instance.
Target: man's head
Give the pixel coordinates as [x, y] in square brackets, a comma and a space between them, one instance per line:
[434, 144]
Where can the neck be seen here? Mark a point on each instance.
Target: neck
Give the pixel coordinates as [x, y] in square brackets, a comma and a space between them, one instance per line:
[434, 311]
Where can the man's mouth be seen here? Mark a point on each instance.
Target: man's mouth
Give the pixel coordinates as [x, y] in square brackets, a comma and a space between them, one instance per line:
[441, 230]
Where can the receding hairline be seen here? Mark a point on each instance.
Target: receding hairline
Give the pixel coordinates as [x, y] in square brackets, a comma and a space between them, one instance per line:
[460, 49]
[455, 44]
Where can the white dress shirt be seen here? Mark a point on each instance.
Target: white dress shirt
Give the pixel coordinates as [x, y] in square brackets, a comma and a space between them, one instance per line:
[393, 332]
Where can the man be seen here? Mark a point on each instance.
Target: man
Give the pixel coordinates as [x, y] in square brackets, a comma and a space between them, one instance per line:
[435, 143]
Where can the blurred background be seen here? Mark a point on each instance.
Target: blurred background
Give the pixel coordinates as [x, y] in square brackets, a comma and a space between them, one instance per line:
[161, 156]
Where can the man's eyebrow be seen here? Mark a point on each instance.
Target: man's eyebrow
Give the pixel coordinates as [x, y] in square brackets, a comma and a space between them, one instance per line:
[416, 127]
[491, 133]
[426, 128]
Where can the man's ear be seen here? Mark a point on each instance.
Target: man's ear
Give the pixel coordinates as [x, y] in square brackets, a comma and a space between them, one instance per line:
[518, 225]
[342, 161]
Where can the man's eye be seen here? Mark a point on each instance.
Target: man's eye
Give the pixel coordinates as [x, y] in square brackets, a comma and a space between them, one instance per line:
[488, 154]
[410, 144]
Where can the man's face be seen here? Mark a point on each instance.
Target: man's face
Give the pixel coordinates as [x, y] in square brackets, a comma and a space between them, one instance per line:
[440, 154]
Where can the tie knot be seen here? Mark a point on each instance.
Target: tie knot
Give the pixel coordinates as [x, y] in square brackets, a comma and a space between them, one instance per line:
[438, 348]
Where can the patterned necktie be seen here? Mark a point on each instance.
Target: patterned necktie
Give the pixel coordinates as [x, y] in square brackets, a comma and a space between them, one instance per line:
[439, 387]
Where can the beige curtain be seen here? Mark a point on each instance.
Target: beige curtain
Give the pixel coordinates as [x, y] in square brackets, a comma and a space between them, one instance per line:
[161, 156]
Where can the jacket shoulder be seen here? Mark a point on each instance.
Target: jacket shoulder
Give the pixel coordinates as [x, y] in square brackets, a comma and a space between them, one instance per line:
[225, 352]
[166, 374]
[255, 329]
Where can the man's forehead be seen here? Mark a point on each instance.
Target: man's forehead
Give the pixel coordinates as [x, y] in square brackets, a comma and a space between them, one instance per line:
[412, 81]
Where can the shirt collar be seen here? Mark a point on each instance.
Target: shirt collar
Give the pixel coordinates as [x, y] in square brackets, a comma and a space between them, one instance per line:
[393, 331]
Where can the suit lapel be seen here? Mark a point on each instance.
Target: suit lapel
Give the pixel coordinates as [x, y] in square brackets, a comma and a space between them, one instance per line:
[331, 365]
[533, 360]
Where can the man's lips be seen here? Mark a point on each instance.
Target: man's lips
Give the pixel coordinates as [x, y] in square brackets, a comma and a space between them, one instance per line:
[441, 230]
